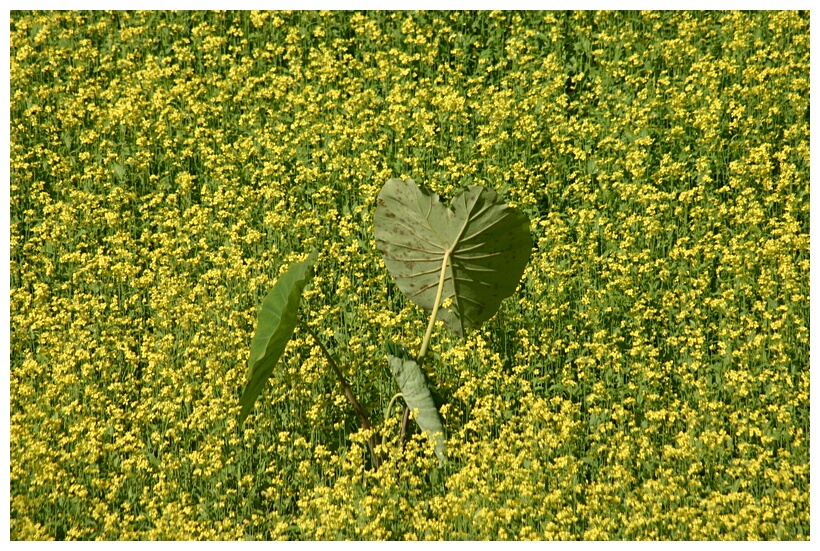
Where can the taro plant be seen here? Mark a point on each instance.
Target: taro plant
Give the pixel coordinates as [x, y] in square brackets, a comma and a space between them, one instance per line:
[458, 263]
[278, 318]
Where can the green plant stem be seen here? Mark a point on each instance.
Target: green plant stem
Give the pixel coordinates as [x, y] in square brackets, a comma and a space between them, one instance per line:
[432, 323]
[405, 418]
[390, 404]
[360, 411]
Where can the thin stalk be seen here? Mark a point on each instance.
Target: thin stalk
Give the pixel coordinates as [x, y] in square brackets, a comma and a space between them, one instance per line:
[405, 418]
[434, 313]
[360, 411]
[390, 404]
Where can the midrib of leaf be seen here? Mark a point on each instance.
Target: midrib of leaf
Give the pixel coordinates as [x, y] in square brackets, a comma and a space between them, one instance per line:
[434, 313]
[448, 258]
[430, 225]
[447, 254]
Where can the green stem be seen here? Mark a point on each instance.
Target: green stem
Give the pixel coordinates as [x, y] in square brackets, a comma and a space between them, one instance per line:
[405, 418]
[360, 411]
[432, 323]
[390, 404]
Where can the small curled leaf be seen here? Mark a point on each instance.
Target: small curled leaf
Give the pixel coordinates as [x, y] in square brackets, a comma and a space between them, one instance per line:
[416, 393]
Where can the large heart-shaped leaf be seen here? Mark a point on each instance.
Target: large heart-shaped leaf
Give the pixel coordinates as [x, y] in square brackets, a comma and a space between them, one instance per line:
[416, 393]
[482, 245]
[277, 320]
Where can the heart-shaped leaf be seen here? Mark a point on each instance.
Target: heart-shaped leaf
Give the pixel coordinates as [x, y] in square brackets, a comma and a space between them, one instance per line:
[483, 246]
[416, 393]
[277, 320]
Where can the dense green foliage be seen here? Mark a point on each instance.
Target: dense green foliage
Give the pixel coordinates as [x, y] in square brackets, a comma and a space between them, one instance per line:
[648, 380]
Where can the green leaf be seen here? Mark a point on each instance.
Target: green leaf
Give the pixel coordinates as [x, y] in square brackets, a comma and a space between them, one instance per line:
[277, 320]
[416, 393]
[482, 244]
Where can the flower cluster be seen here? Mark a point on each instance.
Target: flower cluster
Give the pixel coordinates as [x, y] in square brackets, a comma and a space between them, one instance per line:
[649, 379]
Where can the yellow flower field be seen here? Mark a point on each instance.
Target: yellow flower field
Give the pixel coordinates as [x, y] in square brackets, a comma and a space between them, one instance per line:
[648, 380]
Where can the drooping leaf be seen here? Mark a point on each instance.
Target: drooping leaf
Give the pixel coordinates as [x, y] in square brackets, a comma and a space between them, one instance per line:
[482, 243]
[416, 393]
[277, 320]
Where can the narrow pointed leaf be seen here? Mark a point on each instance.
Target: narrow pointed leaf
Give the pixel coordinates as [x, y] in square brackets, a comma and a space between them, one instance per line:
[482, 244]
[416, 393]
[277, 320]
